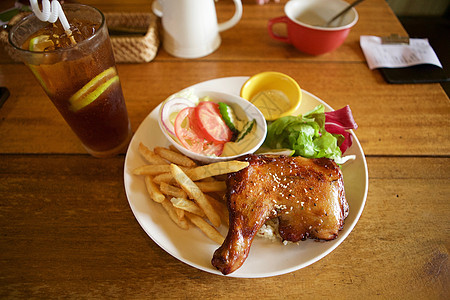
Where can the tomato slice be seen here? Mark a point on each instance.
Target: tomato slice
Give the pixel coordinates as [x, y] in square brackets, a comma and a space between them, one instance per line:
[211, 124]
[186, 133]
[189, 135]
[213, 149]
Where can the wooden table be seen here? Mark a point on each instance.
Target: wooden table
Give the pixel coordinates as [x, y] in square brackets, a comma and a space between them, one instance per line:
[66, 229]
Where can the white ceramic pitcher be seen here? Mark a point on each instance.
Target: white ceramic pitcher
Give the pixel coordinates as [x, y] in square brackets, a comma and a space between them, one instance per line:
[190, 27]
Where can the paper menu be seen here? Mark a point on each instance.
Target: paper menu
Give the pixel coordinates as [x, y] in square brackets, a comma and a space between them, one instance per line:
[379, 55]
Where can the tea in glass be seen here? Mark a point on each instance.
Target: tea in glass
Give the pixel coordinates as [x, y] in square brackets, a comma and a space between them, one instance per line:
[79, 75]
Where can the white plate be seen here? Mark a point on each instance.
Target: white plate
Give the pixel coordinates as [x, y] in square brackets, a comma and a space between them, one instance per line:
[192, 247]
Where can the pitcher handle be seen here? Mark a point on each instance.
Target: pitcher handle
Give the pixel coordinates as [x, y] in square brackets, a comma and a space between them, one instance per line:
[236, 17]
[157, 9]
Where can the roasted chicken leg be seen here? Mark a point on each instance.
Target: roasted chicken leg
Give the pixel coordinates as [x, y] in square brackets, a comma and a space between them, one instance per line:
[306, 195]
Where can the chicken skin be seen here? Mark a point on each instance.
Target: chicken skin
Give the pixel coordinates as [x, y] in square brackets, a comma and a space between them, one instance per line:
[306, 195]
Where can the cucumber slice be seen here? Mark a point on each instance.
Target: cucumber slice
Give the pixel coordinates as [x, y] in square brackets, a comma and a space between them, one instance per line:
[246, 130]
[228, 116]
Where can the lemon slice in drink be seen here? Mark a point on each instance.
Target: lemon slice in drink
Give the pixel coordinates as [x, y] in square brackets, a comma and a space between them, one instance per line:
[40, 43]
[93, 89]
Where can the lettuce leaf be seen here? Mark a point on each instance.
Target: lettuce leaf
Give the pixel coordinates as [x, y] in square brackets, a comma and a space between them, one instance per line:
[305, 134]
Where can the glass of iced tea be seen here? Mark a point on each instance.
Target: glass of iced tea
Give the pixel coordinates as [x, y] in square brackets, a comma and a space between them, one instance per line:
[79, 75]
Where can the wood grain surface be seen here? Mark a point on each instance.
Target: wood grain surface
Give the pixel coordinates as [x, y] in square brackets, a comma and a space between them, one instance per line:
[67, 230]
[392, 119]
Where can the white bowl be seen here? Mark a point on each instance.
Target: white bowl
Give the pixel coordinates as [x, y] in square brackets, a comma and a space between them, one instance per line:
[243, 110]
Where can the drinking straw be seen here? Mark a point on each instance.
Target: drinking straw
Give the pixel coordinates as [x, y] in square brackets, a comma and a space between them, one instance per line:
[51, 14]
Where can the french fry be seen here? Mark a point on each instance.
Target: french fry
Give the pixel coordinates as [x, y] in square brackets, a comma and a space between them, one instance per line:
[207, 229]
[213, 186]
[150, 156]
[175, 157]
[195, 193]
[171, 190]
[220, 208]
[171, 175]
[151, 169]
[180, 213]
[164, 177]
[171, 211]
[207, 179]
[216, 169]
[174, 149]
[153, 190]
[167, 177]
[187, 205]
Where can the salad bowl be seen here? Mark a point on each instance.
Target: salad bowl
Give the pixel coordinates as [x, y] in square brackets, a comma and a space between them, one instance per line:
[243, 110]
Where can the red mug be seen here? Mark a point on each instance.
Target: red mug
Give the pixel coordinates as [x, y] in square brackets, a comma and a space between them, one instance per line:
[305, 21]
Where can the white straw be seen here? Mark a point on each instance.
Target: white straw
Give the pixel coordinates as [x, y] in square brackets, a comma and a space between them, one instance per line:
[50, 14]
[62, 17]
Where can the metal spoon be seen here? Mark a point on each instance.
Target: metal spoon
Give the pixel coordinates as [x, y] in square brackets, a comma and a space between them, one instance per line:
[343, 12]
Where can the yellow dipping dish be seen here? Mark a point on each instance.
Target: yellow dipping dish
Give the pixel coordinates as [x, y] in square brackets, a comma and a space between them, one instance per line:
[275, 94]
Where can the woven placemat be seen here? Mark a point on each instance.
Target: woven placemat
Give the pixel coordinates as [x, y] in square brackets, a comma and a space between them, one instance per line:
[138, 42]
[130, 48]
